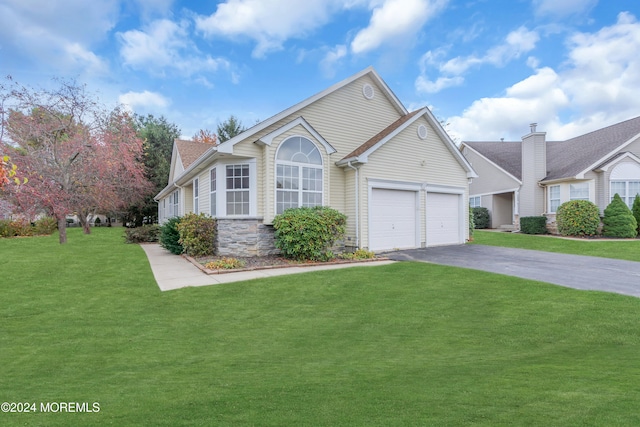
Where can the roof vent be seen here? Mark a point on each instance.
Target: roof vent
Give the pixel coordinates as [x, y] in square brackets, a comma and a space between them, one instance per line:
[422, 132]
[367, 91]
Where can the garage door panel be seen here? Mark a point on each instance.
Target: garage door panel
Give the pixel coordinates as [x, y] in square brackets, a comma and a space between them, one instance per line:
[392, 219]
[443, 219]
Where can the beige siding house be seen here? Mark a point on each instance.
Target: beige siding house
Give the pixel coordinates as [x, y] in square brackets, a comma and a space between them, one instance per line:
[396, 174]
[535, 176]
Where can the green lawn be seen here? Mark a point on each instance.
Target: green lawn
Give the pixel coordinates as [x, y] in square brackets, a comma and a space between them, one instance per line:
[398, 345]
[619, 249]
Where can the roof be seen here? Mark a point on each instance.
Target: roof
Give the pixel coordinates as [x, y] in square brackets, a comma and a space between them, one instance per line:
[507, 155]
[565, 159]
[190, 151]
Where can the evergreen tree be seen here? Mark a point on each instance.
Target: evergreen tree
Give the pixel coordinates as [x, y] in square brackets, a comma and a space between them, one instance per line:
[229, 128]
[636, 211]
[618, 219]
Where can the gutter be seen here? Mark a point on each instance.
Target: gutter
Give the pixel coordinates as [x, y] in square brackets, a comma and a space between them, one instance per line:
[357, 185]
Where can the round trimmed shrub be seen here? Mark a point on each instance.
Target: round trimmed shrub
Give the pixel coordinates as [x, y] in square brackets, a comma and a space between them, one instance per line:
[618, 220]
[481, 217]
[169, 236]
[578, 218]
[308, 233]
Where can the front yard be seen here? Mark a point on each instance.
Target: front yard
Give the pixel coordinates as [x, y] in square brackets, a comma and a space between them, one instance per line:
[403, 344]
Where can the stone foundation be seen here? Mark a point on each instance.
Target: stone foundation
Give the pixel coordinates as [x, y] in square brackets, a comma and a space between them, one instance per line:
[245, 237]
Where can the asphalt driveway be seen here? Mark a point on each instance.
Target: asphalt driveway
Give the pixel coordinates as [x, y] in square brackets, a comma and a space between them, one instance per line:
[574, 271]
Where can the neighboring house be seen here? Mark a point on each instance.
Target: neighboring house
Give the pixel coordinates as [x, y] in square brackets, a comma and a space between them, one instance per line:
[534, 177]
[397, 175]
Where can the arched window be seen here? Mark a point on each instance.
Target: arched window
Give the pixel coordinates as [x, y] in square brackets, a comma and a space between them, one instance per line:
[298, 174]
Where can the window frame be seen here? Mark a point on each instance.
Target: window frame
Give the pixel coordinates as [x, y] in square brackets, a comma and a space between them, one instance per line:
[213, 192]
[196, 196]
[473, 203]
[306, 177]
[552, 199]
[627, 197]
[240, 190]
[573, 196]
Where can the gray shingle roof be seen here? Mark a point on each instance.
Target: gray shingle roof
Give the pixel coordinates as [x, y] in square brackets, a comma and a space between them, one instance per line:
[565, 159]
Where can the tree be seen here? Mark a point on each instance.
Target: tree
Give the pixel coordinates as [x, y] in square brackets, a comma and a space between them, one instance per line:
[636, 211]
[78, 157]
[158, 135]
[205, 136]
[229, 128]
[618, 220]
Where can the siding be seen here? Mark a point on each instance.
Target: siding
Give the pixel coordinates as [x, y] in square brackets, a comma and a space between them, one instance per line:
[491, 180]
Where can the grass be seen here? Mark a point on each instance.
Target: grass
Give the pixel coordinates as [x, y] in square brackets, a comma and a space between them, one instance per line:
[403, 344]
[620, 249]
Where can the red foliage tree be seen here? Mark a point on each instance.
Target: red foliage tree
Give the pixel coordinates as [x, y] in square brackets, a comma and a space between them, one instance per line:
[77, 156]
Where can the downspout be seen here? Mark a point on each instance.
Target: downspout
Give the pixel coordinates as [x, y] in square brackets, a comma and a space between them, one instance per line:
[357, 204]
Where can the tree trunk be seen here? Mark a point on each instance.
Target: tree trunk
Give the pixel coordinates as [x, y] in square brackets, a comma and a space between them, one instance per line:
[62, 229]
[85, 228]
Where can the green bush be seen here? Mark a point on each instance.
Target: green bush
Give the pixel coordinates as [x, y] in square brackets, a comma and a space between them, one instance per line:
[636, 211]
[45, 226]
[169, 236]
[144, 234]
[533, 225]
[308, 233]
[578, 218]
[97, 222]
[481, 217]
[197, 234]
[618, 220]
[5, 225]
[472, 223]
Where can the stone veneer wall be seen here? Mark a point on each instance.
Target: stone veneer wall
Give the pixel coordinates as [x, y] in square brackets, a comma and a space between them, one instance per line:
[245, 237]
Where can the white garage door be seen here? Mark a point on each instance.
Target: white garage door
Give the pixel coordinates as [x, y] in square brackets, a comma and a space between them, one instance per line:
[443, 219]
[392, 219]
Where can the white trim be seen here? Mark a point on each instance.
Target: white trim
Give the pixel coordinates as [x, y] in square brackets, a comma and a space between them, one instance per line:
[435, 188]
[300, 121]
[628, 155]
[509, 190]
[394, 185]
[441, 189]
[196, 195]
[222, 187]
[373, 183]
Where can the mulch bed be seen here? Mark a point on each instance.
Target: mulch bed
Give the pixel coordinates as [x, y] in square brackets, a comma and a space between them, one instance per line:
[267, 262]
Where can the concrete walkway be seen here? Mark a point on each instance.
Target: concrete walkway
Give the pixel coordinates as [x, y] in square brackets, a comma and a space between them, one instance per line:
[174, 272]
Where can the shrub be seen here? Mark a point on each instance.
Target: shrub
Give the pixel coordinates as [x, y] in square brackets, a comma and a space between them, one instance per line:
[45, 226]
[358, 254]
[636, 211]
[144, 234]
[578, 218]
[97, 222]
[197, 234]
[472, 223]
[533, 225]
[169, 236]
[618, 220]
[481, 217]
[20, 227]
[308, 233]
[5, 227]
[225, 263]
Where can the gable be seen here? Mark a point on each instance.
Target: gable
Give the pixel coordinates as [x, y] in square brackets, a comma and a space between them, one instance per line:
[494, 178]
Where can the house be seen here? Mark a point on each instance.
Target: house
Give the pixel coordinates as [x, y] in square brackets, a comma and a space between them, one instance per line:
[534, 176]
[396, 174]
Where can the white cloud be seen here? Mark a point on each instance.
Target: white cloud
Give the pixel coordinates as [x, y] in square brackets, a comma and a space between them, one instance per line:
[269, 24]
[48, 34]
[395, 20]
[562, 8]
[164, 45]
[331, 59]
[516, 44]
[595, 87]
[144, 100]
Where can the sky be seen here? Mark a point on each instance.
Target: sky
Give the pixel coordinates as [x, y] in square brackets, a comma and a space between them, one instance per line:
[486, 68]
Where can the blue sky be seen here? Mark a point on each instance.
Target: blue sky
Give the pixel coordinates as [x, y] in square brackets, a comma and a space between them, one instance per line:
[488, 68]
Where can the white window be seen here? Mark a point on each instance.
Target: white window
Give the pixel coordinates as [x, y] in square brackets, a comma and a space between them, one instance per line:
[474, 202]
[579, 191]
[196, 196]
[626, 189]
[213, 187]
[298, 174]
[238, 189]
[554, 198]
[173, 204]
